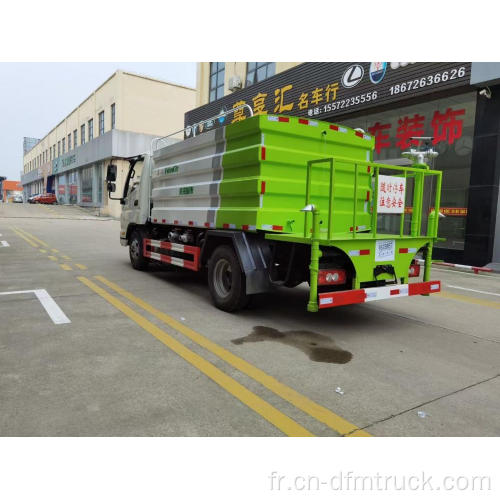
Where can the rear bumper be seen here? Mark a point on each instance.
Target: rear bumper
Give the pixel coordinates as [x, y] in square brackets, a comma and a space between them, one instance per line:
[334, 299]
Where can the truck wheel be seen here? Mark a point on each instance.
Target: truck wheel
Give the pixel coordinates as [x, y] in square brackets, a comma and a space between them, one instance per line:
[226, 280]
[135, 249]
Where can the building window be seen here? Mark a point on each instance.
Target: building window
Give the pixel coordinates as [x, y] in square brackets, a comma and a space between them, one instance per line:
[54, 151]
[82, 134]
[91, 129]
[75, 137]
[101, 123]
[113, 115]
[258, 71]
[58, 148]
[64, 145]
[216, 81]
[69, 142]
[50, 149]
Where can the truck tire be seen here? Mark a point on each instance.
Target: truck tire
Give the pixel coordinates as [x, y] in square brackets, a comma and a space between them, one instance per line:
[135, 249]
[226, 280]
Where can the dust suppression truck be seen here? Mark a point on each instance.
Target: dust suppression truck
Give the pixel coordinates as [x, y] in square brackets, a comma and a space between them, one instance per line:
[279, 201]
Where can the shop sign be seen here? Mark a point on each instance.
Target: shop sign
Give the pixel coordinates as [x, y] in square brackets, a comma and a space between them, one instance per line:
[61, 189]
[327, 90]
[60, 163]
[445, 126]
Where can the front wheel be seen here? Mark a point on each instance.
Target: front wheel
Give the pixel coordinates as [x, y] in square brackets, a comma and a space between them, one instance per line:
[226, 280]
[135, 251]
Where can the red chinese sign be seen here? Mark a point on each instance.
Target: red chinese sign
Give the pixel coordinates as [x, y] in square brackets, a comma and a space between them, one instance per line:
[446, 127]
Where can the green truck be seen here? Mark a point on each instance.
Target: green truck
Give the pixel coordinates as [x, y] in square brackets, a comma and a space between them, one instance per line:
[282, 200]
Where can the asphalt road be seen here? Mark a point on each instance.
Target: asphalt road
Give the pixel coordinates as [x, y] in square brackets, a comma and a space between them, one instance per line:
[109, 351]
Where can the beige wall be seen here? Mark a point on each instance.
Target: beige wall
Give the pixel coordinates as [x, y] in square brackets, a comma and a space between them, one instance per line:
[143, 105]
[231, 69]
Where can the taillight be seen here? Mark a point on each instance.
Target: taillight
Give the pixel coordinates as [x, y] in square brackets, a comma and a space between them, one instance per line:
[414, 270]
[331, 277]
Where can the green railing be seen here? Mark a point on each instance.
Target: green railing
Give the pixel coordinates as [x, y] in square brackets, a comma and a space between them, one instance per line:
[416, 172]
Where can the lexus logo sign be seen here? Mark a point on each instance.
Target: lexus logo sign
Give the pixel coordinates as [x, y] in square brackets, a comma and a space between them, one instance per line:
[352, 76]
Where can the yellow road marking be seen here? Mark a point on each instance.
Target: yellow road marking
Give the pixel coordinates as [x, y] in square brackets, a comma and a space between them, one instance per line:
[51, 257]
[65, 267]
[38, 240]
[470, 300]
[55, 250]
[24, 238]
[81, 266]
[300, 401]
[66, 257]
[43, 250]
[254, 402]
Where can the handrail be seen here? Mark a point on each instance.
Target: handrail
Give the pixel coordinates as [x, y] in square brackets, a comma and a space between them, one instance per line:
[192, 128]
[406, 171]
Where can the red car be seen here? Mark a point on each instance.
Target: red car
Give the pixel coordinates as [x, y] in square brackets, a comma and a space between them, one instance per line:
[48, 198]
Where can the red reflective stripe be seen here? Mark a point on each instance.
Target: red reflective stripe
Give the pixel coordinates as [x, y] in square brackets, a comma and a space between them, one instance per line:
[364, 252]
[334, 127]
[263, 153]
[190, 223]
[358, 133]
[403, 250]
[163, 221]
[244, 227]
[395, 292]
[368, 196]
[277, 228]
[368, 168]
[176, 222]
[155, 220]
[425, 287]
[207, 224]
[263, 187]
[225, 226]
[283, 119]
[303, 121]
[342, 298]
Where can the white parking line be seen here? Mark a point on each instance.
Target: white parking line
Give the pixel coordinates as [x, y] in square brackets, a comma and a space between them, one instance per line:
[472, 290]
[4, 243]
[49, 304]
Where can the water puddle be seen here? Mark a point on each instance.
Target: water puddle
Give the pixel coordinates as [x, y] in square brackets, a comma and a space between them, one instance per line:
[319, 348]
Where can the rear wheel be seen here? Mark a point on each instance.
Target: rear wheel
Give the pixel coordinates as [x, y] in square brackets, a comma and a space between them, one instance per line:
[226, 280]
[135, 249]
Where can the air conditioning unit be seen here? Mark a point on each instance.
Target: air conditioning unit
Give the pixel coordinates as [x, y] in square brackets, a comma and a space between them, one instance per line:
[234, 83]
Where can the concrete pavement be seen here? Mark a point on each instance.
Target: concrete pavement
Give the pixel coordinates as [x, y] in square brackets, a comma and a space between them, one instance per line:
[164, 361]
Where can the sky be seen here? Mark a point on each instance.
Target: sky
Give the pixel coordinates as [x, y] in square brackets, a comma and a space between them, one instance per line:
[34, 97]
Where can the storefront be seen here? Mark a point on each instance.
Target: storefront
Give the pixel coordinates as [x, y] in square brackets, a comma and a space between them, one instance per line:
[396, 102]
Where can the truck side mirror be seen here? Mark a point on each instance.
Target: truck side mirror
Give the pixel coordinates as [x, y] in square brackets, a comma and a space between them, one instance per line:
[111, 173]
[111, 187]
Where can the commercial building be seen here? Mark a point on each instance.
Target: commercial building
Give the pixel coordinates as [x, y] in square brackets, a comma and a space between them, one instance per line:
[117, 121]
[458, 104]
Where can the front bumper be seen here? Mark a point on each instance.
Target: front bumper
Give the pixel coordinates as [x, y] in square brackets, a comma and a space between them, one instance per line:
[334, 299]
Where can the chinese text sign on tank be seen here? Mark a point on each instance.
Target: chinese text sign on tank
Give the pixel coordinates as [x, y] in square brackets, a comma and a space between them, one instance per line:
[391, 194]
